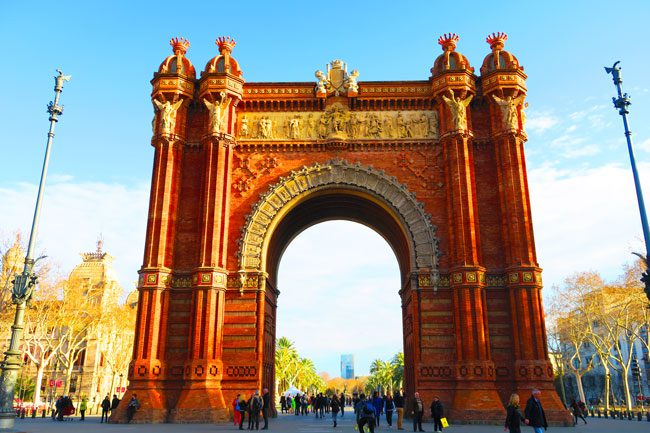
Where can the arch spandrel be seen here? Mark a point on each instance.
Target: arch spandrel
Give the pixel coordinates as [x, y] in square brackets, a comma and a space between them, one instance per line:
[281, 196]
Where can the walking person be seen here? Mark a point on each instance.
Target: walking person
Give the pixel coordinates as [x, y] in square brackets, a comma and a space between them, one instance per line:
[82, 408]
[418, 411]
[577, 412]
[266, 406]
[334, 406]
[365, 411]
[514, 418]
[436, 413]
[534, 412]
[378, 403]
[399, 408]
[133, 406]
[243, 406]
[106, 406]
[389, 408]
[283, 403]
[342, 402]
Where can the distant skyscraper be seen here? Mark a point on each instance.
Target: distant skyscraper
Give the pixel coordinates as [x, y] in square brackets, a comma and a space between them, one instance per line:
[347, 366]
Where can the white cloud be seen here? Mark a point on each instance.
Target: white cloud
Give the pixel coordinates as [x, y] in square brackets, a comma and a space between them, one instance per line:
[585, 219]
[643, 145]
[540, 122]
[73, 216]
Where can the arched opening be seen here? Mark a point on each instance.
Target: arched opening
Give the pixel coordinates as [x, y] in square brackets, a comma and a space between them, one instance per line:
[339, 287]
[326, 207]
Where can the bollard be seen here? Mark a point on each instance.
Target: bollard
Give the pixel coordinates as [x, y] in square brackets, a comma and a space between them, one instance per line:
[629, 416]
[647, 416]
[639, 416]
[44, 413]
[598, 412]
[34, 410]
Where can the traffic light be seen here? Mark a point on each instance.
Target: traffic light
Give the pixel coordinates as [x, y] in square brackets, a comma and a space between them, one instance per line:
[645, 279]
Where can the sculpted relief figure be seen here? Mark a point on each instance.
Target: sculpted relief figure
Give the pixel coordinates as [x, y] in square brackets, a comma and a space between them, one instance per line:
[218, 112]
[374, 126]
[310, 126]
[243, 127]
[323, 126]
[167, 115]
[294, 127]
[265, 127]
[353, 126]
[508, 107]
[433, 124]
[458, 108]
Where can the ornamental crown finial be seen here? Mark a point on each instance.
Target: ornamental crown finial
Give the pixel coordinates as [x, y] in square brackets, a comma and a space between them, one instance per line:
[179, 45]
[497, 40]
[225, 43]
[448, 41]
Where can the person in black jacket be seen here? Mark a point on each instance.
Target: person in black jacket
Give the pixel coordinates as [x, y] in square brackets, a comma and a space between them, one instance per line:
[106, 405]
[436, 413]
[266, 405]
[417, 408]
[399, 407]
[534, 413]
[335, 405]
[514, 418]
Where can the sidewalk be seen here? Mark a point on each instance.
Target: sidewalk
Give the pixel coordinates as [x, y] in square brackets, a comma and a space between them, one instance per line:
[303, 424]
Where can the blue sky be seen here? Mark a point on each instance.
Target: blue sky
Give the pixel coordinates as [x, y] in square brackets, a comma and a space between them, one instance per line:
[582, 194]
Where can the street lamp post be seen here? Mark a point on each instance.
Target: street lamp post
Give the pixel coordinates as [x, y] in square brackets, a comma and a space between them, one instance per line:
[25, 282]
[621, 103]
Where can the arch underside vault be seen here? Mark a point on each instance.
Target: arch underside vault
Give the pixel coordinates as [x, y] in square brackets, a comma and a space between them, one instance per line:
[345, 191]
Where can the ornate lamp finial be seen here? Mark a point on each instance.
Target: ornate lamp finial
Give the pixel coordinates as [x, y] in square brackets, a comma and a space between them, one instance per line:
[179, 45]
[448, 41]
[497, 40]
[225, 43]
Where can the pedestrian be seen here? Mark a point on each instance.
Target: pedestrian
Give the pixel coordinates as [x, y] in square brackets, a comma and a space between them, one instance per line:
[106, 406]
[249, 406]
[534, 412]
[399, 407]
[266, 406]
[577, 412]
[389, 408]
[283, 403]
[242, 411]
[114, 403]
[132, 408]
[514, 418]
[418, 411]
[256, 406]
[378, 404]
[335, 406]
[296, 404]
[82, 408]
[236, 415]
[436, 413]
[365, 411]
[342, 403]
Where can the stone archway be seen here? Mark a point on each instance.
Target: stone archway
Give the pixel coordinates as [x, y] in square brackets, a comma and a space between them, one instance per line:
[340, 190]
[422, 241]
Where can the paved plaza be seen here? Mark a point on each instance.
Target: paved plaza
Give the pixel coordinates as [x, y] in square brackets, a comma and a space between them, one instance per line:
[308, 424]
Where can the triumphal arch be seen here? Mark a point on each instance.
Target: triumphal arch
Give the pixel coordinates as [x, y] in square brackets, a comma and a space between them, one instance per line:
[435, 166]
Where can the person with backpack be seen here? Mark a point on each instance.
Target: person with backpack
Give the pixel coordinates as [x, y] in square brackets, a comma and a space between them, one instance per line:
[399, 407]
[365, 414]
[256, 406]
[334, 406]
[133, 406]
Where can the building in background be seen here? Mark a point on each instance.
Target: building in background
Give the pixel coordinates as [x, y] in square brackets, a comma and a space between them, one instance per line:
[347, 366]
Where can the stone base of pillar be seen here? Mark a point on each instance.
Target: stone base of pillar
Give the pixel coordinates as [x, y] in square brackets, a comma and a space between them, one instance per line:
[200, 404]
[153, 408]
[477, 406]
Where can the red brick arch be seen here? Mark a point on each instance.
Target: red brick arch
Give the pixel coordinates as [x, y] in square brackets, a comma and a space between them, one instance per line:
[436, 166]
